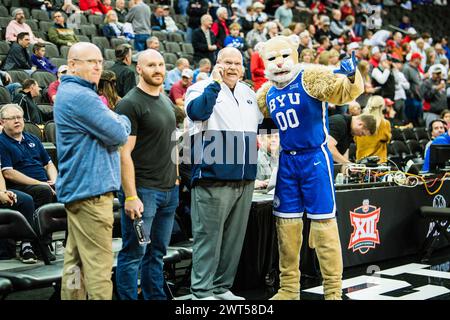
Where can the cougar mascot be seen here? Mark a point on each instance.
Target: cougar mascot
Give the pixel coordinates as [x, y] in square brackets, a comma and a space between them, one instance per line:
[296, 98]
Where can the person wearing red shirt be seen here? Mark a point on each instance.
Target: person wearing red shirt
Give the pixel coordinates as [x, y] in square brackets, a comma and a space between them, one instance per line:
[257, 70]
[220, 27]
[53, 87]
[347, 9]
[179, 88]
[94, 6]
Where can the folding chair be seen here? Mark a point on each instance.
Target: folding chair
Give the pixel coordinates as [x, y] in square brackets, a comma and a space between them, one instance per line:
[441, 219]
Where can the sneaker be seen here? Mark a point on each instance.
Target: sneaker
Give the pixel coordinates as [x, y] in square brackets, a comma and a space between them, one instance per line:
[27, 255]
[59, 248]
[228, 295]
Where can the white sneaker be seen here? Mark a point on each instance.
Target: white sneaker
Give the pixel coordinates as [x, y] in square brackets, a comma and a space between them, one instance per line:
[228, 295]
[59, 248]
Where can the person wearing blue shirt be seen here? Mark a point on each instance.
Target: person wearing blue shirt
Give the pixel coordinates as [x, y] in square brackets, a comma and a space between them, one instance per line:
[442, 139]
[174, 75]
[233, 39]
[88, 137]
[40, 61]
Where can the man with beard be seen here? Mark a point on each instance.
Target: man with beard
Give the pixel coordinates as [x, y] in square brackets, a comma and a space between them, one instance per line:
[17, 26]
[149, 181]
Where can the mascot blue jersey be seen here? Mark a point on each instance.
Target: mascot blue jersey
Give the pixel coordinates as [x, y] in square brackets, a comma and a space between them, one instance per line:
[301, 119]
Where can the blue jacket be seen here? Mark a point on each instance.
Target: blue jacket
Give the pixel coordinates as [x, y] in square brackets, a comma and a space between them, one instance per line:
[442, 139]
[88, 136]
[44, 64]
[223, 127]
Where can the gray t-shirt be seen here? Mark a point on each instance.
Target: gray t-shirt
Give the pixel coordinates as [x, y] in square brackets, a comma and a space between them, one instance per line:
[152, 122]
[139, 16]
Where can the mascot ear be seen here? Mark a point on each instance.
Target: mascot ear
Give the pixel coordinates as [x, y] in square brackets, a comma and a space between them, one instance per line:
[259, 47]
[294, 39]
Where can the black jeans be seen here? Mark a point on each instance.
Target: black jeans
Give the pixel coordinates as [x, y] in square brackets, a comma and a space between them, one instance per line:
[41, 194]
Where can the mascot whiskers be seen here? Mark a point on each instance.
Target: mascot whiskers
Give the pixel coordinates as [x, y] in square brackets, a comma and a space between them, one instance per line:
[296, 97]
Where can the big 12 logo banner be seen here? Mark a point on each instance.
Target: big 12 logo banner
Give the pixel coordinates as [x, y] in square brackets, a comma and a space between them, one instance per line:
[365, 234]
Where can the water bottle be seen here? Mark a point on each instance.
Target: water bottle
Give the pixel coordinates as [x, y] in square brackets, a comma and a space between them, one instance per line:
[340, 178]
[142, 236]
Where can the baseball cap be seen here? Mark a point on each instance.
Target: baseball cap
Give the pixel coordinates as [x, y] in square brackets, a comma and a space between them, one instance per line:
[188, 73]
[375, 50]
[416, 55]
[388, 102]
[325, 20]
[411, 31]
[258, 5]
[63, 68]
[260, 20]
[353, 45]
[16, 11]
[435, 69]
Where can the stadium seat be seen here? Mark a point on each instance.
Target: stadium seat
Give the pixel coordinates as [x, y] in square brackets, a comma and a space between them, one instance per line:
[173, 47]
[408, 134]
[415, 148]
[187, 48]
[101, 42]
[4, 47]
[43, 78]
[423, 143]
[58, 61]
[110, 54]
[5, 97]
[88, 30]
[83, 38]
[421, 133]
[4, 21]
[95, 19]
[33, 25]
[32, 128]
[162, 36]
[45, 25]
[170, 57]
[40, 15]
[175, 37]
[117, 41]
[4, 12]
[18, 76]
[397, 134]
[169, 66]
[108, 64]
[64, 50]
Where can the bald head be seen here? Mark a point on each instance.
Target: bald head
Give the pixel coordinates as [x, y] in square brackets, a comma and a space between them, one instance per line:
[85, 61]
[149, 55]
[228, 52]
[151, 68]
[231, 61]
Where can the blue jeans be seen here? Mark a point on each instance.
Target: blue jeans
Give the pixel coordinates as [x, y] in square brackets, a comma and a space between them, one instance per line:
[140, 43]
[158, 216]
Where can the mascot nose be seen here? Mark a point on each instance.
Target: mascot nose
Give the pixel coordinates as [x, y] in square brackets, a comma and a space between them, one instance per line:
[280, 64]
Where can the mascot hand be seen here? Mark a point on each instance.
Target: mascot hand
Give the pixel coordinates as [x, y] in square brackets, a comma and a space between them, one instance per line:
[348, 66]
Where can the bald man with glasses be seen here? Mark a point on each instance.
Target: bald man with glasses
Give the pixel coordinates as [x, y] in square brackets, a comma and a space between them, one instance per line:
[59, 33]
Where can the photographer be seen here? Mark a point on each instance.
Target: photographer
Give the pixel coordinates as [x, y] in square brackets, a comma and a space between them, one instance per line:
[434, 95]
[383, 77]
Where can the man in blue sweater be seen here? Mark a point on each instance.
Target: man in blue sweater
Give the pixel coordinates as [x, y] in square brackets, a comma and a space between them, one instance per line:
[442, 139]
[88, 139]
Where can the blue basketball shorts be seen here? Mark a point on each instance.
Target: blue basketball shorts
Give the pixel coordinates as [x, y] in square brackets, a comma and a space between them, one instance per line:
[305, 183]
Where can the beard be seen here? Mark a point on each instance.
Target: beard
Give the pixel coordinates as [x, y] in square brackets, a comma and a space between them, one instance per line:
[151, 81]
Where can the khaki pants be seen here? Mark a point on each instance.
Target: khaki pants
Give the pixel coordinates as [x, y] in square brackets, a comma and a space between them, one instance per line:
[88, 256]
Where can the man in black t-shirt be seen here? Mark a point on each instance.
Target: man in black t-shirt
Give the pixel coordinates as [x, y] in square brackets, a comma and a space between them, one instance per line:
[342, 130]
[149, 181]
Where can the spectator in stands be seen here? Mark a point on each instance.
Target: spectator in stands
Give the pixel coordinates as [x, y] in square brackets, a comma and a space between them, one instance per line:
[413, 103]
[203, 40]
[22, 202]
[307, 56]
[121, 10]
[401, 86]
[257, 70]
[382, 76]
[149, 182]
[434, 95]
[171, 25]
[53, 87]
[220, 206]
[445, 115]
[93, 7]
[40, 61]
[305, 42]
[234, 39]
[18, 57]
[83, 140]
[284, 13]
[268, 149]
[59, 33]
[406, 23]
[271, 30]
[17, 26]
[157, 20]
[343, 128]
[126, 79]
[202, 76]
[44, 5]
[107, 4]
[139, 16]
[68, 7]
[196, 9]
[375, 57]
[179, 88]
[26, 165]
[112, 27]
[442, 139]
[204, 65]
[354, 108]
[174, 75]
[376, 144]
[324, 28]
[107, 89]
[24, 98]
[220, 27]
[336, 26]
[153, 43]
[436, 128]
[257, 34]
[324, 44]
[5, 81]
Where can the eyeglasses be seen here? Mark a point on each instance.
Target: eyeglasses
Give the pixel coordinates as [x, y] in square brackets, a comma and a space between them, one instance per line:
[13, 118]
[92, 61]
[59, 16]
